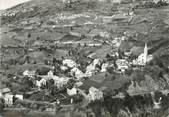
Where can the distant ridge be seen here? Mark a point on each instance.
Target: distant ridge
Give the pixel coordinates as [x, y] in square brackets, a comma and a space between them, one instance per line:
[7, 4]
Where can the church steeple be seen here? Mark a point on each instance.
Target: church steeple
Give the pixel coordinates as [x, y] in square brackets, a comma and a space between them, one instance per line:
[145, 53]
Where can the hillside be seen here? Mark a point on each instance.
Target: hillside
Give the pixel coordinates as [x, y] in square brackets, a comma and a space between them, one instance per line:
[40, 35]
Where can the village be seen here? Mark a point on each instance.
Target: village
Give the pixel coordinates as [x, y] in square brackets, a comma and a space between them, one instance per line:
[68, 82]
[71, 61]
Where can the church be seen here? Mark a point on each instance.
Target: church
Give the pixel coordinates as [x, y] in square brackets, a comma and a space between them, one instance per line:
[143, 58]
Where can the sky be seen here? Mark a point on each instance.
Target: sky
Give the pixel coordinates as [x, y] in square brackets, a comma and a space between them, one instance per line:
[4, 4]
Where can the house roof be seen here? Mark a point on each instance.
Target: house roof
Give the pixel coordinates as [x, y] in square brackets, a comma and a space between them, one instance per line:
[93, 89]
[5, 90]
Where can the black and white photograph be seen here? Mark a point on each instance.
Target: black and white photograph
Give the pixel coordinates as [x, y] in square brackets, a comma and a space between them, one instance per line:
[84, 58]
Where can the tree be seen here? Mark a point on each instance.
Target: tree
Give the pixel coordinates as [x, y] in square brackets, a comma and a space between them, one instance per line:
[96, 107]
[38, 38]
[27, 59]
[161, 3]
[54, 60]
[2, 104]
[77, 98]
[98, 67]
[35, 106]
[53, 90]
[27, 82]
[129, 72]
[3, 54]
[50, 83]
[108, 57]
[29, 35]
[43, 71]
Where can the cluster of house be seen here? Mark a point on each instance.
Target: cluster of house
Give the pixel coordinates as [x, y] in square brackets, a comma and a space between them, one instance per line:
[69, 1]
[156, 1]
[116, 42]
[91, 94]
[91, 69]
[94, 94]
[141, 60]
[60, 81]
[112, 1]
[29, 22]
[75, 72]
[14, 12]
[63, 17]
[121, 63]
[9, 97]
[92, 44]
